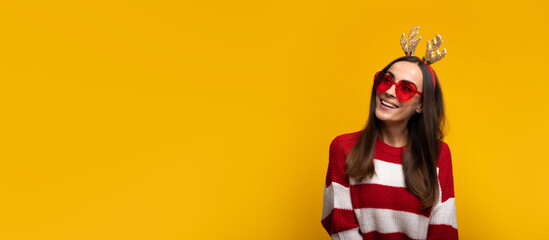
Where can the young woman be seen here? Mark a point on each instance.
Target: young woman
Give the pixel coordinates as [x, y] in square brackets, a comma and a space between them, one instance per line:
[393, 179]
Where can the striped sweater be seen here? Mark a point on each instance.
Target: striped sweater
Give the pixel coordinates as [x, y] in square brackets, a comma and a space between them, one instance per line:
[381, 207]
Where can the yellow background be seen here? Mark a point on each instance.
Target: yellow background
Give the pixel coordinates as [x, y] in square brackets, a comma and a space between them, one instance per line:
[212, 119]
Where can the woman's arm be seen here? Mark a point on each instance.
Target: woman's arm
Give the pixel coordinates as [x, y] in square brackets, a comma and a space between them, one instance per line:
[338, 217]
[442, 221]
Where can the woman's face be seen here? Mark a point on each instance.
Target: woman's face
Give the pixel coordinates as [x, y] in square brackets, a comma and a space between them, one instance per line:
[403, 111]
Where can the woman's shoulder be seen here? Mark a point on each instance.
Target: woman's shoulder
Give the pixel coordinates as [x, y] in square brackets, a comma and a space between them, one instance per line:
[444, 156]
[443, 147]
[346, 140]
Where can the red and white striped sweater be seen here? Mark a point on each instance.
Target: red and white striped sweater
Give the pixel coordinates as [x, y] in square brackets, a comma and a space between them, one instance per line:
[381, 207]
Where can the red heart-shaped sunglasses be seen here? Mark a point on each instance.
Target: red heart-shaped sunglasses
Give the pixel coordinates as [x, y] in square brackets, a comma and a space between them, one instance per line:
[405, 90]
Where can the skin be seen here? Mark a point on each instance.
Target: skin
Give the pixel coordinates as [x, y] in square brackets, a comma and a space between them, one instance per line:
[394, 131]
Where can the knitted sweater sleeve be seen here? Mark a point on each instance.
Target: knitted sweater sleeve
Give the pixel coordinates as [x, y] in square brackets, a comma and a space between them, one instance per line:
[338, 217]
[442, 221]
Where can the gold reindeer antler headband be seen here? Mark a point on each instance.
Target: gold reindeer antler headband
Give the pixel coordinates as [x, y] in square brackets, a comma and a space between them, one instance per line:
[409, 49]
[430, 55]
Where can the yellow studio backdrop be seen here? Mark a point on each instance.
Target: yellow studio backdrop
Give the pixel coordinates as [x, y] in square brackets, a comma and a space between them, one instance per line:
[212, 119]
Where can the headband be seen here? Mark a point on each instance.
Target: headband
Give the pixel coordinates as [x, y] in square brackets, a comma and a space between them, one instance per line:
[432, 55]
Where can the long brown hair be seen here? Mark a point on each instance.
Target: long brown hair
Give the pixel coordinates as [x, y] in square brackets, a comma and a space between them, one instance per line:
[425, 130]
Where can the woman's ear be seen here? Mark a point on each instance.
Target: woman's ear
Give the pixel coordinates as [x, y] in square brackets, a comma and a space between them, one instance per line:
[419, 109]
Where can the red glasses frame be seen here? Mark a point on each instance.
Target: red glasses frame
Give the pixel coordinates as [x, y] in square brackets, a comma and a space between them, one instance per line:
[405, 90]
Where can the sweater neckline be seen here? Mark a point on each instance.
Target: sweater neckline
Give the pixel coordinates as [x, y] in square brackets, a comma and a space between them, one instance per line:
[382, 146]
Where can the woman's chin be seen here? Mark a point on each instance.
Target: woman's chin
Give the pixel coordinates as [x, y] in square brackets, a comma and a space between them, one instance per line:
[385, 115]
[382, 115]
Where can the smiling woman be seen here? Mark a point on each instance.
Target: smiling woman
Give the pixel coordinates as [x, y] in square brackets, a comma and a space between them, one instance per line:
[395, 105]
[393, 179]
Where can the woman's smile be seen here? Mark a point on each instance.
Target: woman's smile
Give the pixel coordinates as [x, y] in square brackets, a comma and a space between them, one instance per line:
[387, 105]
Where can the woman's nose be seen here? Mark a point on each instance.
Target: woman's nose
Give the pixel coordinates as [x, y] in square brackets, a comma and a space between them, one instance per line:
[391, 91]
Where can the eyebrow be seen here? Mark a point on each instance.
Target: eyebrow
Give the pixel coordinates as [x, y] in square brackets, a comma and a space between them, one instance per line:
[393, 75]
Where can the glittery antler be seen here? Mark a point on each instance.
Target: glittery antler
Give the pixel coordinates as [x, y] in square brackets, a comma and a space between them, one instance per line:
[412, 44]
[430, 56]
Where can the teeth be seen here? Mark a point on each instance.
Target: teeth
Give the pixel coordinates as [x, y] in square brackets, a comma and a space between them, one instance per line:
[388, 104]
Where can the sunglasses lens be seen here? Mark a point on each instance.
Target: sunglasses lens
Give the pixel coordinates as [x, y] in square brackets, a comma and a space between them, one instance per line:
[405, 91]
[377, 79]
[385, 83]
[377, 75]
